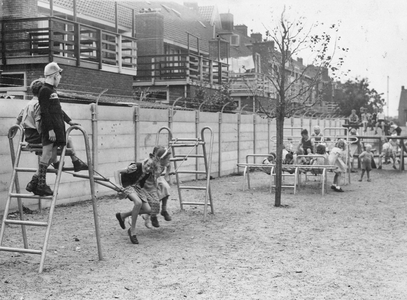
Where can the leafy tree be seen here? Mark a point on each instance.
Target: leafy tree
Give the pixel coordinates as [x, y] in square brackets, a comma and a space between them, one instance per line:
[354, 94]
[298, 87]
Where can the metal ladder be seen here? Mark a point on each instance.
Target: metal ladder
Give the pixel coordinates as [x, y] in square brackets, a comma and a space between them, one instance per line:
[15, 193]
[179, 158]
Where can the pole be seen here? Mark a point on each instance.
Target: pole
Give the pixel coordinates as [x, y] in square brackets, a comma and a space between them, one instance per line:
[388, 100]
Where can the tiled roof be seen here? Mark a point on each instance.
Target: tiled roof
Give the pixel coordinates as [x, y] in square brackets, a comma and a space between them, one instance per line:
[178, 19]
[206, 12]
[100, 9]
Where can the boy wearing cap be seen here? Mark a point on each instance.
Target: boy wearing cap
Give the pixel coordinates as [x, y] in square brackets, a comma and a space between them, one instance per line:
[30, 120]
[52, 124]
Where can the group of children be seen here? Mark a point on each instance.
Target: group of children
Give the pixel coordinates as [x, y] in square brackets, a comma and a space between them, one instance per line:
[315, 145]
[374, 120]
[43, 121]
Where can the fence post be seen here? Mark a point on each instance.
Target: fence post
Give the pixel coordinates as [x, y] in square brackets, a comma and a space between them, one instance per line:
[136, 131]
[197, 119]
[170, 117]
[219, 143]
[239, 120]
[254, 134]
[95, 150]
[268, 135]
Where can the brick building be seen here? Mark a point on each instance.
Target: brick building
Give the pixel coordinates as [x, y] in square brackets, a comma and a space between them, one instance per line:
[157, 51]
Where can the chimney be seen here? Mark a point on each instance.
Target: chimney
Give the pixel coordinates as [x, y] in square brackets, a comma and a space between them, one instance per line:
[300, 61]
[242, 29]
[227, 21]
[12, 9]
[402, 87]
[257, 37]
[192, 5]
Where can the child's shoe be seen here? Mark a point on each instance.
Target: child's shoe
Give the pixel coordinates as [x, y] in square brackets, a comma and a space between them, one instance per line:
[360, 180]
[32, 185]
[147, 221]
[166, 215]
[78, 165]
[43, 190]
[133, 238]
[154, 221]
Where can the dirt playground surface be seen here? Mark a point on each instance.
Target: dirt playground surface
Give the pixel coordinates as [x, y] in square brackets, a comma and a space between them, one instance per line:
[350, 245]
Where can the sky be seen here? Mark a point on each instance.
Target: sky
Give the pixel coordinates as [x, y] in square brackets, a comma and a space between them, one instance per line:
[375, 31]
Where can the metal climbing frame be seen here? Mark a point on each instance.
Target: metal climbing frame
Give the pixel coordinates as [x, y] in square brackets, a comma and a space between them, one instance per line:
[15, 193]
[179, 158]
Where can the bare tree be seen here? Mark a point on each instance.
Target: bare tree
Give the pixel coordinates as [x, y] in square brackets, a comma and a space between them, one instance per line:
[297, 87]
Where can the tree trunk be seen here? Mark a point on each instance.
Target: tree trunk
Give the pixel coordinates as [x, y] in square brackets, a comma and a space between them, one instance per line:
[279, 154]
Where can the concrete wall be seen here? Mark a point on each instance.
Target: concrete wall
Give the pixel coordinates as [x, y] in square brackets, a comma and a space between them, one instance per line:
[125, 134]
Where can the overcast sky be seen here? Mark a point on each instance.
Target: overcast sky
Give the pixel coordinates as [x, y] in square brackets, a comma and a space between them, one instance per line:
[375, 31]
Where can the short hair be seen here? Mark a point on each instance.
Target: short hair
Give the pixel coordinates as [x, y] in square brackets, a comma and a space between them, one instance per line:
[321, 149]
[36, 85]
[304, 131]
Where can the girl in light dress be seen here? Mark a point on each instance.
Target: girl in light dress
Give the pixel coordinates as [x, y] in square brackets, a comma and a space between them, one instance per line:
[337, 157]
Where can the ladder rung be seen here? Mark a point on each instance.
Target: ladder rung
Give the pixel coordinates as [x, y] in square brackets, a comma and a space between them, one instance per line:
[28, 223]
[194, 203]
[190, 155]
[180, 158]
[29, 196]
[186, 145]
[185, 187]
[31, 251]
[185, 140]
[26, 169]
[191, 172]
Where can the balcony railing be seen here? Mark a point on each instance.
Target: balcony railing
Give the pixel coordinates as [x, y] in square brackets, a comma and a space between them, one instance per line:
[250, 84]
[27, 40]
[181, 67]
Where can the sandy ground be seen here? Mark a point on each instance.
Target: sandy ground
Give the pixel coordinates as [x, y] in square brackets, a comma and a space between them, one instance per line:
[350, 245]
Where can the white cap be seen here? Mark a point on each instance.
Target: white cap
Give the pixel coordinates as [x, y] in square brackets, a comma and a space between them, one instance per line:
[51, 69]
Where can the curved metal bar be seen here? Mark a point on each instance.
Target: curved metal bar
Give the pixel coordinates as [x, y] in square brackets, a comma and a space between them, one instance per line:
[15, 157]
[91, 182]
[200, 105]
[176, 100]
[223, 107]
[100, 94]
[208, 164]
[243, 108]
[158, 135]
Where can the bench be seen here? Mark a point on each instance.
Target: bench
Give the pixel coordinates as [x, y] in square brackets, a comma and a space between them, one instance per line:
[294, 170]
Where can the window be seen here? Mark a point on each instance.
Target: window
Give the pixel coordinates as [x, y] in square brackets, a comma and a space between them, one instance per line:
[234, 40]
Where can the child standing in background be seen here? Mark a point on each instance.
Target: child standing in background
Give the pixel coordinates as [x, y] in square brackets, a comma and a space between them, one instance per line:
[336, 157]
[366, 158]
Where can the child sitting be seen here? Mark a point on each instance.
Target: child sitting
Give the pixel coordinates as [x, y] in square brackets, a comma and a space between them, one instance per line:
[317, 137]
[387, 152]
[306, 143]
[162, 156]
[366, 158]
[271, 159]
[319, 161]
